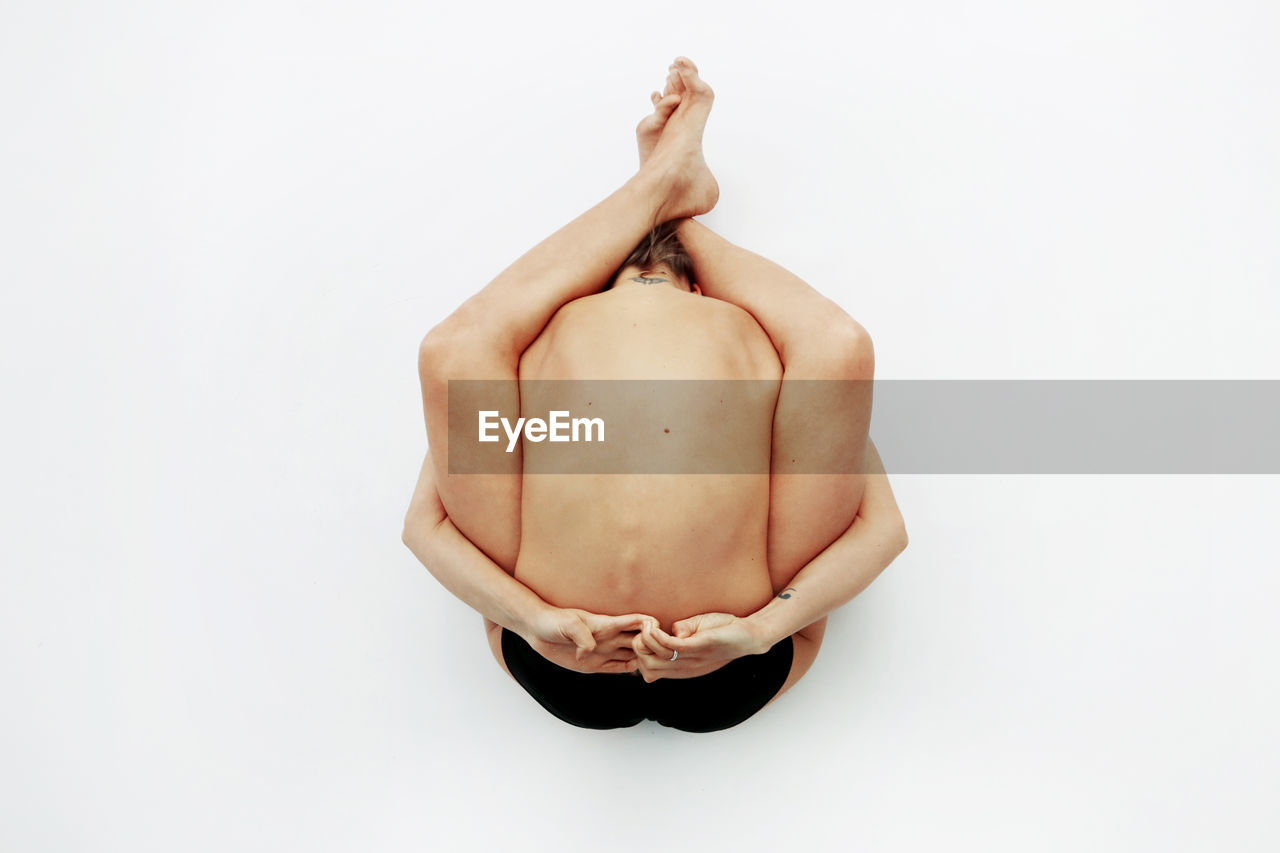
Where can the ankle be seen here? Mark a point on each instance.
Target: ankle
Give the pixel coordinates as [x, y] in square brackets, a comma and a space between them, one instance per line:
[655, 185]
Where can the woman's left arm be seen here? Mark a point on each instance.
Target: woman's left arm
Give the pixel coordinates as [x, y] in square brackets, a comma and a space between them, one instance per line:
[576, 639]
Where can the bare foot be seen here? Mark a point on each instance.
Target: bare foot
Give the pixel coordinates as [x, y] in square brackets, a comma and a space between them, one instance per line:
[678, 150]
[650, 127]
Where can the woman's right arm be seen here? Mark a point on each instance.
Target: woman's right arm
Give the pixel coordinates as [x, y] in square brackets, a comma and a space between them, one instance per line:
[845, 567]
[837, 574]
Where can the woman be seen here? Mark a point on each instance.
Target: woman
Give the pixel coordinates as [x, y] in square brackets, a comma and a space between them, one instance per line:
[715, 584]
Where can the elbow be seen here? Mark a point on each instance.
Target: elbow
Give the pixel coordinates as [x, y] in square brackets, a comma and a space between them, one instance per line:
[895, 535]
[416, 534]
[422, 532]
[409, 536]
[899, 538]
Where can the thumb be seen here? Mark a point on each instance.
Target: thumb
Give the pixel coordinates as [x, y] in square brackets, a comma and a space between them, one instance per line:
[582, 638]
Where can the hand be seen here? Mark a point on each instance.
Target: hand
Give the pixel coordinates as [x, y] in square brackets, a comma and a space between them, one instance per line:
[587, 642]
[705, 643]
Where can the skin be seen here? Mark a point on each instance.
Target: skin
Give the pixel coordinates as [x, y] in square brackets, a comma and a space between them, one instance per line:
[486, 336]
[676, 544]
[788, 542]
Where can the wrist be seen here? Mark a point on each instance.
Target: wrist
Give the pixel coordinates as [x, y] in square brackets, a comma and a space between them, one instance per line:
[529, 616]
[765, 629]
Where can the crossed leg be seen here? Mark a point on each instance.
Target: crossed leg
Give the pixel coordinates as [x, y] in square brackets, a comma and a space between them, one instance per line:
[820, 427]
[485, 337]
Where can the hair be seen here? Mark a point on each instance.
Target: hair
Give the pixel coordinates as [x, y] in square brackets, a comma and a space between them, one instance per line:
[660, 247]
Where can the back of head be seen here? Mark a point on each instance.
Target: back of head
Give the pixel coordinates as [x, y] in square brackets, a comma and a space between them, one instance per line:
[660, 247]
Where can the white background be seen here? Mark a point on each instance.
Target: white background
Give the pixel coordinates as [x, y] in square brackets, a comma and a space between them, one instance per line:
[226, 226]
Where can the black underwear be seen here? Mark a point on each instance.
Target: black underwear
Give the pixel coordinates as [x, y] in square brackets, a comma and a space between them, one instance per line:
[708, 703]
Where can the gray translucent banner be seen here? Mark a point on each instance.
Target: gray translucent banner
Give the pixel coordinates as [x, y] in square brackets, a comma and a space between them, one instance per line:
[919, 426]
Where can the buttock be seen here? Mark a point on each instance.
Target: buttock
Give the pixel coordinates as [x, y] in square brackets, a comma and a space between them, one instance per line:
[712, 702]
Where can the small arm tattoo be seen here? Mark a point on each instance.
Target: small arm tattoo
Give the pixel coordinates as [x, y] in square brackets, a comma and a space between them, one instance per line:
[786, 593]
[644, 279]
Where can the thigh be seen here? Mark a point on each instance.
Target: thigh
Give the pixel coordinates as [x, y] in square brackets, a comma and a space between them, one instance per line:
[819, 447]
[494, 632]
[805, 645]
[461, 375]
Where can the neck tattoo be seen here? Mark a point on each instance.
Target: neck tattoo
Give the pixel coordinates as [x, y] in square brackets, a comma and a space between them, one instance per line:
[644, 279]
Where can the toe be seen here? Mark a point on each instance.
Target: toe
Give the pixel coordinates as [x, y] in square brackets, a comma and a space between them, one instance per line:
[692, 83]
[674, 82]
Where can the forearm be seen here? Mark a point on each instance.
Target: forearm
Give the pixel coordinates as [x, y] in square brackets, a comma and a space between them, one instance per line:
[461, 567]
[845, 567]
[829, 581]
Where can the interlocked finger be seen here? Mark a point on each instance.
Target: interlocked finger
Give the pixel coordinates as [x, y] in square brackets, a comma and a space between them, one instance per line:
[654, 647]
[615, 624]
[622, 645]
[619, 665]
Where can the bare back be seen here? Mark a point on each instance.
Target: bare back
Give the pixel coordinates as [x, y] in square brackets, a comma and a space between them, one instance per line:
[670, 545]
